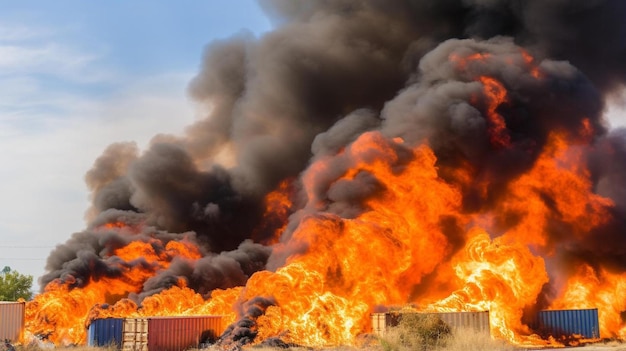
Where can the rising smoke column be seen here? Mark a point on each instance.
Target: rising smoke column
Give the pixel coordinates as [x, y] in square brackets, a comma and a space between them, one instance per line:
[330, 72]
[265, 106]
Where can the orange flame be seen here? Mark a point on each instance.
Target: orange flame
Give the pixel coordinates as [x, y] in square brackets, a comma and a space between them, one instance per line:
[530, 62]
[496, 96]
[411, 243]
[461, 62]
[497, 276]
[61, 311]
[591, 288]
[277, 209]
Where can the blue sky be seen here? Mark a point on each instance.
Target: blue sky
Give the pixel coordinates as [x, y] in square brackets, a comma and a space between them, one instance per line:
[76, 76]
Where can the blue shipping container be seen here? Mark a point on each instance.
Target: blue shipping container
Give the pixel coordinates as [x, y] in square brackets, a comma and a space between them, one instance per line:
[105, 332]
[567, 323]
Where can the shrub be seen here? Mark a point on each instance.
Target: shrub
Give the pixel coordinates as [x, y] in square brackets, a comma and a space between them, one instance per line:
[416, 332]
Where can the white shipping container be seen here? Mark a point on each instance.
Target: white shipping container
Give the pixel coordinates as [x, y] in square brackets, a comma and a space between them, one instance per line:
[479, 321]
[135, 334]
[12, 320]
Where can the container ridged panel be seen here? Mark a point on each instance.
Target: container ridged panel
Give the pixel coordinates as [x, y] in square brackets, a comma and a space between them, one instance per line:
[105, 332]
[182, 333]
[135, 334]
[566, 323]
[479, 321]
[12, 320]
[381, 322]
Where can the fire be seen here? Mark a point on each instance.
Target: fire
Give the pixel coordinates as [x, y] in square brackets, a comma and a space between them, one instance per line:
[495, 93]
[278, 207]
[322, 318]
[530, 62]
[461, 61]
[323, 295]
[405, 238]
[59, 314]
[179, 300]
[114, 225]
[497, 276]
[558, 175]
[597, 288]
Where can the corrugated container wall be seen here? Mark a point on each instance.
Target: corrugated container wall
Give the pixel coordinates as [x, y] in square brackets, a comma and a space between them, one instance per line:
[479, 321]
[105, 332]
[381, 322]
[135, 334]
[155, 333]
[12, 320]
[182, 333]
[566, 323]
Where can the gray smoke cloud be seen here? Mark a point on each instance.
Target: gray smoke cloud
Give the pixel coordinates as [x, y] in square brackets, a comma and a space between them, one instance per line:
[214, 271]
[332, 70]
[244, 331]
[440, 108]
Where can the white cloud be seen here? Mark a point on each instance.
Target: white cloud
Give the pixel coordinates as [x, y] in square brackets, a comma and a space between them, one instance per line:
[59, 110]
[46, 52]
[43, 192]
[18, 32]
[54, 60]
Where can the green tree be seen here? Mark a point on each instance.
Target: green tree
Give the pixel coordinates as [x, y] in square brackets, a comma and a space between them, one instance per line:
[14, 285]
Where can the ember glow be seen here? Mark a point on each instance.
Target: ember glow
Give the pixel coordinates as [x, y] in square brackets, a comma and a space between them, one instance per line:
[482, 177]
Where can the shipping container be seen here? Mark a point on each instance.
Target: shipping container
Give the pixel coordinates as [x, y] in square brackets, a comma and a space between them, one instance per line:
[155, 333]
[182, 333]
[567, 323]
[105, 332]
[12, 320]
[479, 321]
[135, 334]
[381, 322]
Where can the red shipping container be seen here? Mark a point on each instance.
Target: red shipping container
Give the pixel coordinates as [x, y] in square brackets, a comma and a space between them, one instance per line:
[182, 333]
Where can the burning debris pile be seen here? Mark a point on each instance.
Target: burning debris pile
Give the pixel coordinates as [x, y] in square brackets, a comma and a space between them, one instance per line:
[449, 154]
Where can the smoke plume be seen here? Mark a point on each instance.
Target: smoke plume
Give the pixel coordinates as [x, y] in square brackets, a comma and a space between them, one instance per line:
[330, 72]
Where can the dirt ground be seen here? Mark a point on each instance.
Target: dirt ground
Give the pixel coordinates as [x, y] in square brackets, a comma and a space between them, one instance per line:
[614, 346]
[597, 348]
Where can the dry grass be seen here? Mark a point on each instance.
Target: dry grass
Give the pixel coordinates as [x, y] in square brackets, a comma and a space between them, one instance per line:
[395, 340]
[416, 332]
[419, 332]
[470, 340]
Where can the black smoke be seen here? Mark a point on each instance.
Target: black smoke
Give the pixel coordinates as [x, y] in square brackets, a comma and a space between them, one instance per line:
[245, 330]
[332, 70]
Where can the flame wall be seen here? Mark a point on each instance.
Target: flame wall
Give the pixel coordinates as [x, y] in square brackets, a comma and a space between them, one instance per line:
[448, 154]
